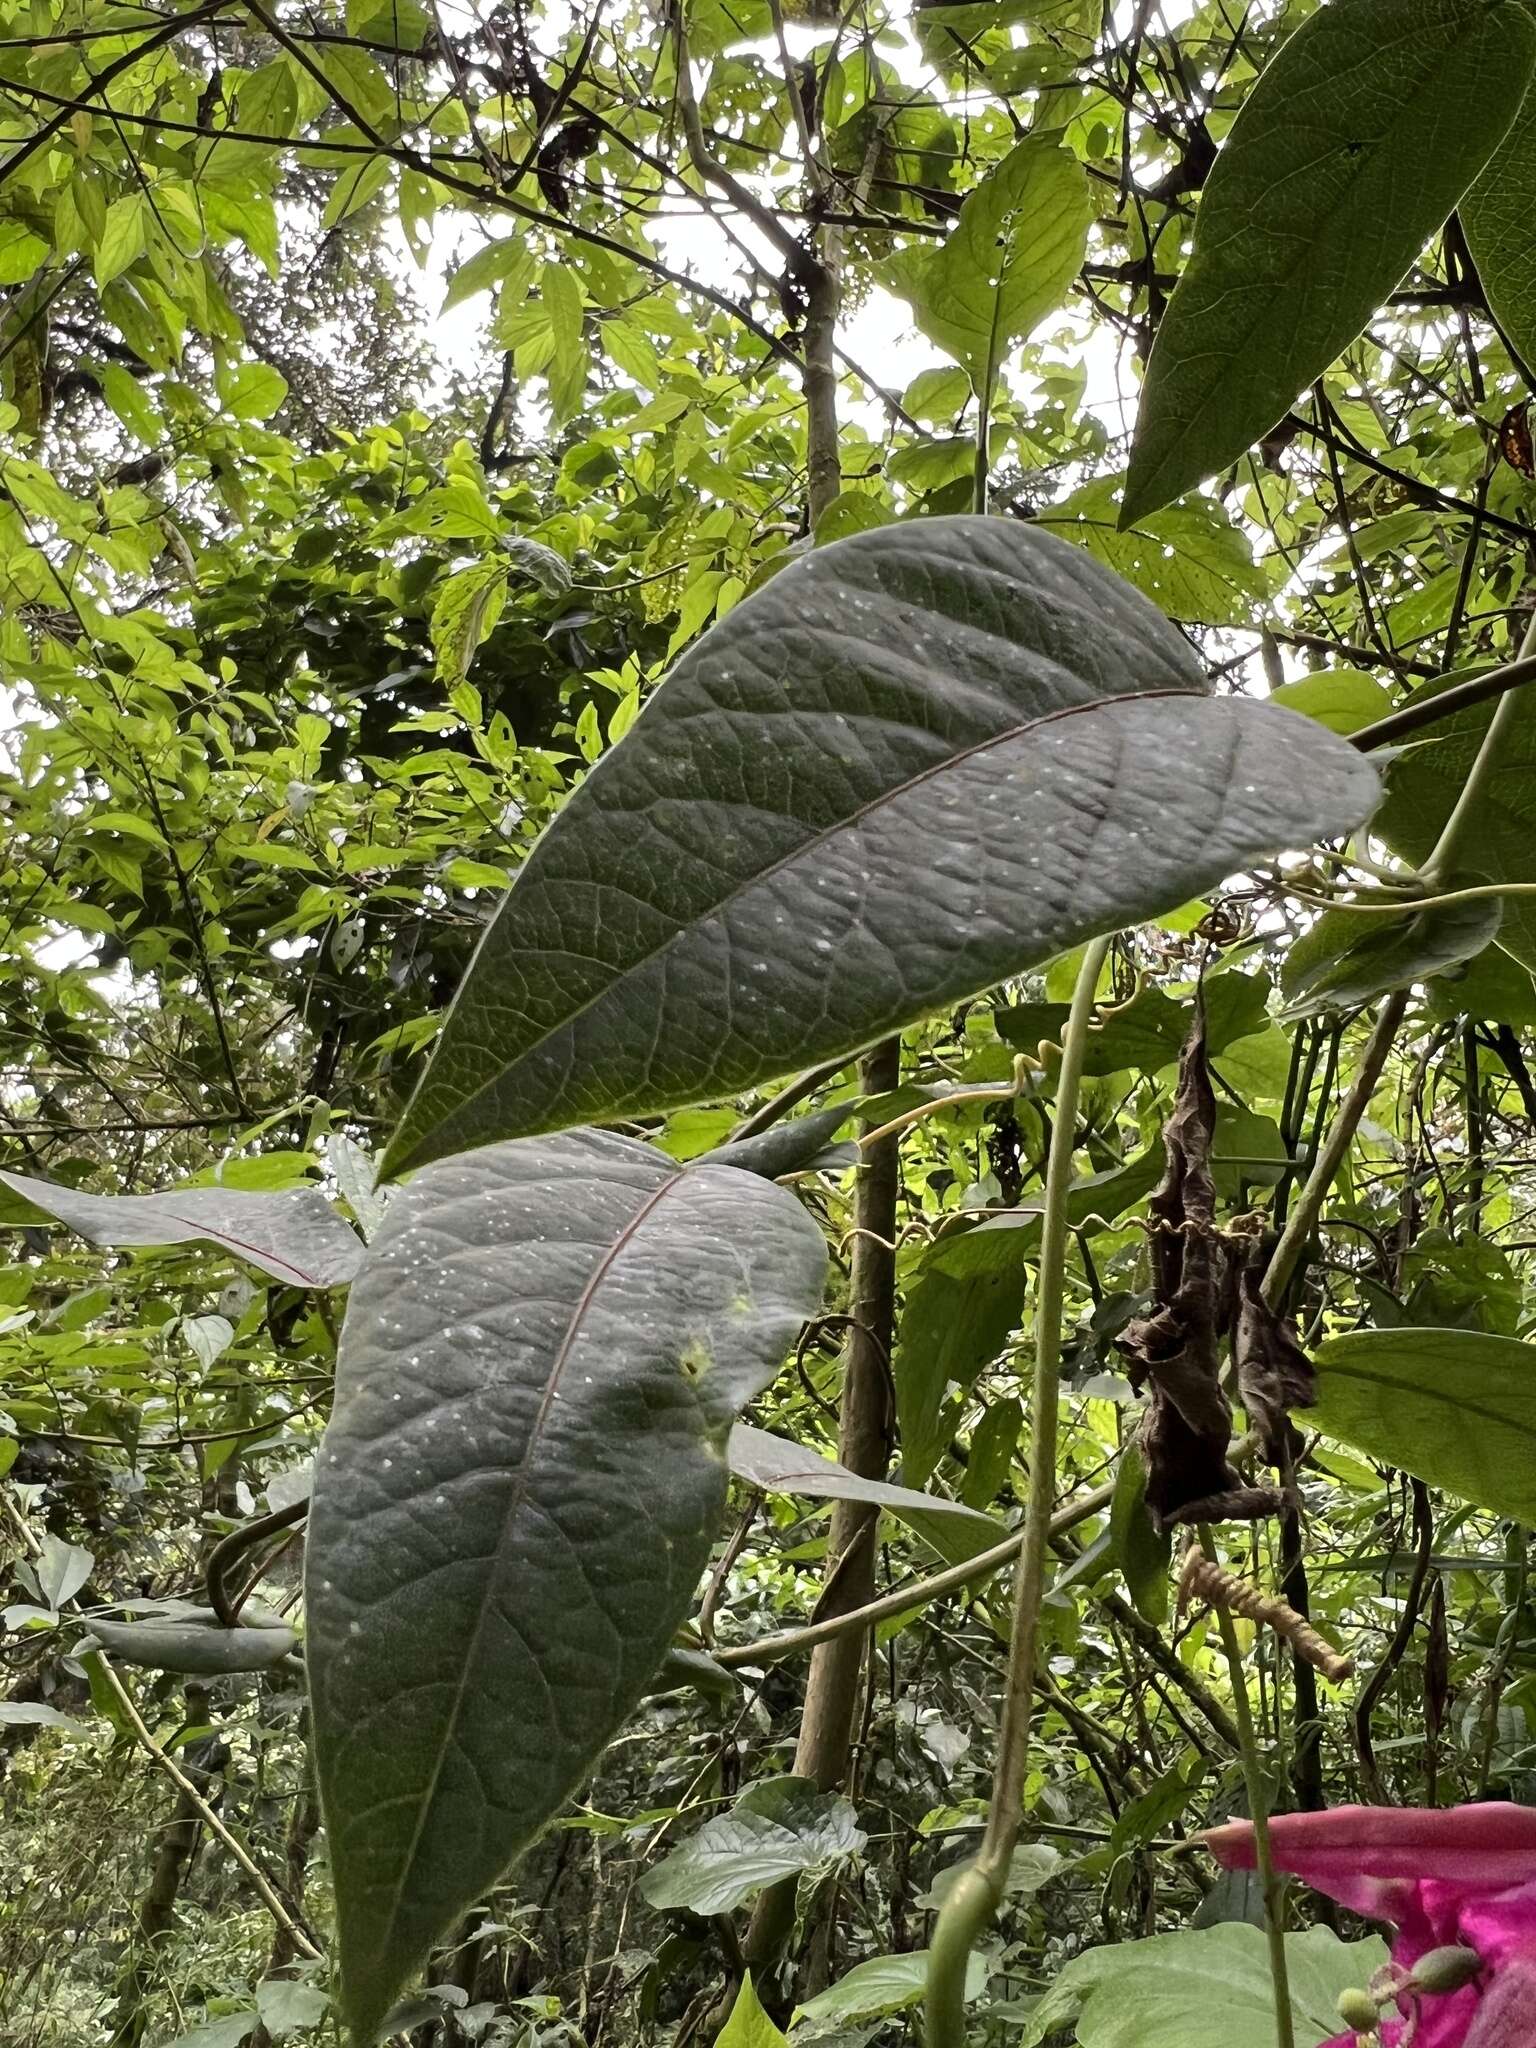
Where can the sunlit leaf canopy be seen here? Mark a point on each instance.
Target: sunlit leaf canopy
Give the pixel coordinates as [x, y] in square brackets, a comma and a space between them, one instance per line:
[391, 396]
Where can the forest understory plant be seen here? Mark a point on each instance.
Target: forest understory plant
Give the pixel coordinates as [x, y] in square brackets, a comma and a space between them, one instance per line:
[717, 1005]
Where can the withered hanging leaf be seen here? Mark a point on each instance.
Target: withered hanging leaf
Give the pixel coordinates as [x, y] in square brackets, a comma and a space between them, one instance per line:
[1274, 1374]
[1515, 439]
[1174, 1352]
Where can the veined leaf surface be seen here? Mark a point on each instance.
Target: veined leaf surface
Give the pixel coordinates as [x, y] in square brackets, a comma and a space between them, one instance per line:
[732, 893]
[515, 1499]
[1363, 132]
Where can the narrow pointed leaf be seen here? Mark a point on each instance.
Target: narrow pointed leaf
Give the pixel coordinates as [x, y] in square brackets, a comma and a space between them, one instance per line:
[515, 1499]
[779, 1466]
[1363, 132]
[295, 1234]
[733, 892]
[186, 1646]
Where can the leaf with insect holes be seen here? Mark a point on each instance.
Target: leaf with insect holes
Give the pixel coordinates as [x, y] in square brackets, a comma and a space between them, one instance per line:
[733, 892]
[515, 1499]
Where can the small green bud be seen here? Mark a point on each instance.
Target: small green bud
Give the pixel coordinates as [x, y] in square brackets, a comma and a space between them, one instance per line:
[1445, 1969]
[1357, 2009]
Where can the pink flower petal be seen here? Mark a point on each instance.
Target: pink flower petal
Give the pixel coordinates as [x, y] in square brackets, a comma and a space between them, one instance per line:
[1489, 1847]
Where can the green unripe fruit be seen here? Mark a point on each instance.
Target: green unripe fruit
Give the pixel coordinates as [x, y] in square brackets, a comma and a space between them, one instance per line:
[1445, 1969]
[1357, 2009]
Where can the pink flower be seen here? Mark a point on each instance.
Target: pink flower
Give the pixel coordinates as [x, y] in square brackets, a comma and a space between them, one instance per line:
[1461, 1878]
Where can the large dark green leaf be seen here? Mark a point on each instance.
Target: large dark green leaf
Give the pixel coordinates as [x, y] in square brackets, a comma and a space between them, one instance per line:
[1425, 781]
[1454, 1407]
[539, 1370]
[915, 762]
[1499, 215]
[1357, 141]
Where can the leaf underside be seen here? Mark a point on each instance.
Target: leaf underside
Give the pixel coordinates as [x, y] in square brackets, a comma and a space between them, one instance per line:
[731, 893]
[515, 1498]
[1356, 142]
[294, 1234]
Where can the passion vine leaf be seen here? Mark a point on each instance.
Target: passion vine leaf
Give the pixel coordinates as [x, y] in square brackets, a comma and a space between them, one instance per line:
[515, 1498]
[1361, 135]
[1350, 957]
[294, 1234]
[732, 892]
[1425, 782]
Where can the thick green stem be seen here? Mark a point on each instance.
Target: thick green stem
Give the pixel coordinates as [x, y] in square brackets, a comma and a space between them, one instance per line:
[1258, 1809]
[969, 1908]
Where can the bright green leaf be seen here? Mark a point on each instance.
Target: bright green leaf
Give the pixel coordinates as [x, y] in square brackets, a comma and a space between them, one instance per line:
[1454, 1407]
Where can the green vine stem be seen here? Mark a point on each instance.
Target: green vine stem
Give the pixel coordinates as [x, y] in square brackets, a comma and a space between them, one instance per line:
[975, 1897]
[1270, 1886]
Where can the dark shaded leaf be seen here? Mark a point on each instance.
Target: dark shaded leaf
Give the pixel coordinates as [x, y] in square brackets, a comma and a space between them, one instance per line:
[515, 1498]
[783, 1148]
[731, 892]
[695, 1671]
[1356, 142]
[1500, 224]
